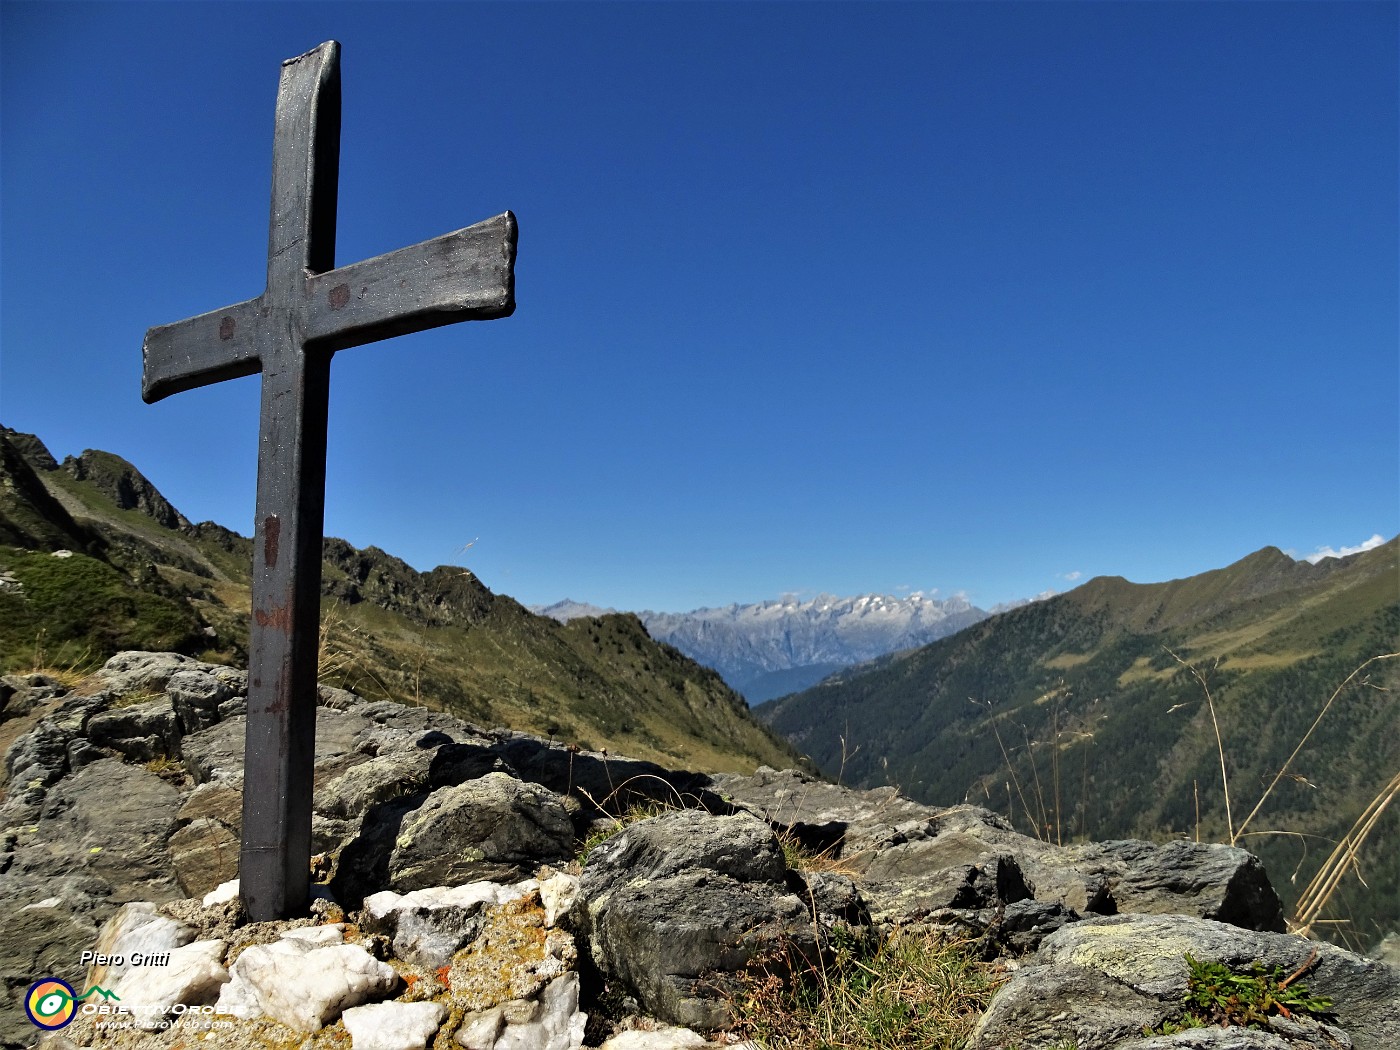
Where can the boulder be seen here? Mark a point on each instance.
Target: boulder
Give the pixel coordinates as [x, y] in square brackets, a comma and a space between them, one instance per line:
[1208, 880]
[495, 828]
[1137, 960]
[673, 903]
[1044, 1007]
[129, 673]
[139, 732]
[21, 693]
[380, 779]
[900, 897]
[38, 758]
[740, 846]
[671, 941]
[302, 985]
[191, 975]
[216, 753]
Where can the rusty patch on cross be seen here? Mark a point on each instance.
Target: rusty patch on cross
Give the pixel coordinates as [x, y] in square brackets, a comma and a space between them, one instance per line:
[339, 296]
[272, 539]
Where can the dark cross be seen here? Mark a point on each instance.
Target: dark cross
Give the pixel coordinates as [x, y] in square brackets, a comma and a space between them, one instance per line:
[308, 311]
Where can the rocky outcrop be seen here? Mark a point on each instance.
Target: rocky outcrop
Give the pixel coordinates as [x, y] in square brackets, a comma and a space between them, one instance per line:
[672, 905]
[124, 485]
[1102, 981]
[487, 889]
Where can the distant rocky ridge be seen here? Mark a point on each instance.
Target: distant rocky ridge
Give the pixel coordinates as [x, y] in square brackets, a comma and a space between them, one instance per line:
[139, 575]
[769, 649]
[458, 905]
[1038, 711]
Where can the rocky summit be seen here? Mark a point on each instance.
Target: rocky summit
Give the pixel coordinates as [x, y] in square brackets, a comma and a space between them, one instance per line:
[486, 889]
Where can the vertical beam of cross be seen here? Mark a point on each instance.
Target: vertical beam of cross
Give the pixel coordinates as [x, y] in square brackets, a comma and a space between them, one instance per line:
[308, 311]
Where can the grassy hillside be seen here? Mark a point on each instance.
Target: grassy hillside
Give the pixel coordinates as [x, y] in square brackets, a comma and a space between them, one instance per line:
[1086, 715]
[139, 575]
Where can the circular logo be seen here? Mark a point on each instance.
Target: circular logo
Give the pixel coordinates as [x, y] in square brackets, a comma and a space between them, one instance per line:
[50, 1003]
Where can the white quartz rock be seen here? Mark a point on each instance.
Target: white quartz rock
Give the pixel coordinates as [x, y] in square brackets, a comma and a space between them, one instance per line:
[192, 975]
[427, 926]
[317, 936]
[301, 985]
[553, 1023]
[135, 932]
[393, 1026]
[220, 894]
[381, 904]
[660, 1039]
[557, 894]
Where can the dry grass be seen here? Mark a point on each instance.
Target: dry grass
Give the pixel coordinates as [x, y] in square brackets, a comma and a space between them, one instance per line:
[913, 991]
[1344, 856]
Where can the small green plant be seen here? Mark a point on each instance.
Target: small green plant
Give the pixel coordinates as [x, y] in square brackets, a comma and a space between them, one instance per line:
[1218, 995]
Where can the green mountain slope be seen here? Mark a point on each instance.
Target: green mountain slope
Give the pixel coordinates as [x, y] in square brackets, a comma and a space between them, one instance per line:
[1073, 717]
[139, 575]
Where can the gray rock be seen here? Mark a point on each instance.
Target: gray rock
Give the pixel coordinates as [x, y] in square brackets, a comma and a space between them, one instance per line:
[427, 926]
[1146, 953]
[21, 693]
[82, 753]
[1026, 923]
[204, 854]
[215, 753]
[1045, 1006]
[671, 899]
[138, 672]
[141, 732]
[835, 821]
[742, 847]
[1320, 1037]
[1208, 880]
[495, 828]
[48, 924]
[197, 695]
[38, 758]
[385, 777]
[900, 898]
[670, 941]
[110, 820]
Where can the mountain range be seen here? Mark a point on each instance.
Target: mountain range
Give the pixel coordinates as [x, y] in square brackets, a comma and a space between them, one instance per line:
[1110, 710]
[768, 649]
[94, 560]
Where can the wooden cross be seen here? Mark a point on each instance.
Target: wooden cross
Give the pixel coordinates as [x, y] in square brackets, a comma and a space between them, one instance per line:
[308, 311]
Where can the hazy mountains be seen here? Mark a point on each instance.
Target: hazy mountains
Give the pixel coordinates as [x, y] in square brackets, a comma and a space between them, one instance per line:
[773, 648]
[94, 560]
[1074, 717]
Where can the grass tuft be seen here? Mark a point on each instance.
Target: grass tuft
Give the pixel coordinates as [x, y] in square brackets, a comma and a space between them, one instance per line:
[913, 991]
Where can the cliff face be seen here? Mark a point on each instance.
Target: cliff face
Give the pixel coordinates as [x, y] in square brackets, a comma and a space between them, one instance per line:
[487, 888]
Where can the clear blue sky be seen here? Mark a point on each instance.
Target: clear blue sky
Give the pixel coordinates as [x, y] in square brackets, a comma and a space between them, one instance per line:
[844, 297]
